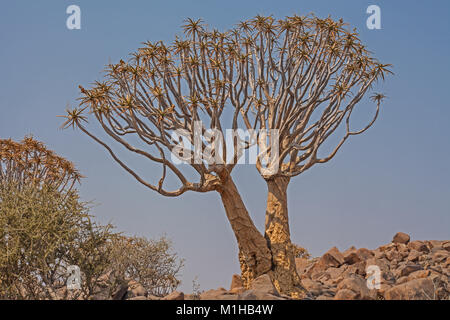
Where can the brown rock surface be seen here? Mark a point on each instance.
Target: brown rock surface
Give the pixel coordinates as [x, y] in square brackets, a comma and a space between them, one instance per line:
[236, 282]
[135, 289]
[358, 286]
[351, 257]
[411, 270]
[345, 294]
[419, 289]
[174, 296]
[408, 269]
[401, 237]
[264, 284]
[219, 294]
[333, 258]
[418, 246]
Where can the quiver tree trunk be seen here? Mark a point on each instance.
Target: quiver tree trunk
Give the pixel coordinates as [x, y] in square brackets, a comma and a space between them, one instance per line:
[254, 254]
[284, 273]
[272, 253]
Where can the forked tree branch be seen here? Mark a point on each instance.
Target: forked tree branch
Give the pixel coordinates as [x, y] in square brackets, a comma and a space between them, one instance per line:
[300, 76]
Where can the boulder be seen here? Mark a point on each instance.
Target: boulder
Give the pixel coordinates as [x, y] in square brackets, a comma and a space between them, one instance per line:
[418, 246]
[446, 263]
[401, 237]
[219, 294]
[439, 256]
[315, 266]
[314, 287]
[335, 273]
[264, 284]
[401, 280]
[393, 255]
[435, 244]
[248, 295]
[358, 268]
[351, 257]
[358, 286]
[261, 288]
[419, 289]
[414, 255]
[383, 264]
[408, 269]
[364, 253]
[346, 294]
[174, 296]
[421, 274]
[332, 258]
[135, 289]
[446, 246]
[237, 290]
[383, 288]
[236, 282]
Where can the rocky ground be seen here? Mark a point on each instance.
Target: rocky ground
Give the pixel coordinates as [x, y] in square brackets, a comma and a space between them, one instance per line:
[408, 270]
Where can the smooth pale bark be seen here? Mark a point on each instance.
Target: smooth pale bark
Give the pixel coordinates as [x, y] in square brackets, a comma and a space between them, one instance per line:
[284, 273]
[254, 255]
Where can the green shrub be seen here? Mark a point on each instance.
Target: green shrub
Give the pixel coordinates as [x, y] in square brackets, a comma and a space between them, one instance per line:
[45, 230]
[152, 263]
[42, 232]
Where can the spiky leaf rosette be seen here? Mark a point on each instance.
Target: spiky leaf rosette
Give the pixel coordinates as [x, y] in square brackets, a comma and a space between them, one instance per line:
[30, 162]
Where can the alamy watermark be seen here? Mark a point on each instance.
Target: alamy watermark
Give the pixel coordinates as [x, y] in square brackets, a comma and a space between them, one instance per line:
[373, 277]
[73, 278]
[374, 20]
[73, 22]
[209, 146]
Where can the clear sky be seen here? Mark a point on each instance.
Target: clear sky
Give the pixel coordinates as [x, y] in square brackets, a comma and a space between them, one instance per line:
[393, 178]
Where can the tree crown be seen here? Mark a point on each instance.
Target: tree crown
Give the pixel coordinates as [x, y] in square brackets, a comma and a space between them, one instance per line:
[300, 76]
[31, 162]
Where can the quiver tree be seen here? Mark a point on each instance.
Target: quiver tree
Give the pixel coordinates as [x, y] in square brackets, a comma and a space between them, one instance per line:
[29, 162]
[44, 227]
[298, 79]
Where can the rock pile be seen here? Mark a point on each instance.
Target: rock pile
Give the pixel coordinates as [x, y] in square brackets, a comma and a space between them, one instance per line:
[400, 270]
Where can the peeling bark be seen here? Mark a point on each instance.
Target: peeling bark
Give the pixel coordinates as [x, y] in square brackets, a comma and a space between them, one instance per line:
[254, 254]
[277, 234]
[259, 254]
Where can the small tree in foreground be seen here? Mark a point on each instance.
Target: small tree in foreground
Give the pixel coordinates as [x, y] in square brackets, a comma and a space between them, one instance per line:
[44, 227]
[45, 230]
[300, 77]
[42, 233]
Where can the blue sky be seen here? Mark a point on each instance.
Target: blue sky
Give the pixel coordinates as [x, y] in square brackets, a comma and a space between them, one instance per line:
[393, 178]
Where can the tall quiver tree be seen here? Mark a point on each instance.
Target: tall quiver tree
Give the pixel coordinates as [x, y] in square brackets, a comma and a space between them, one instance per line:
[300, 77]
[307, 76]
